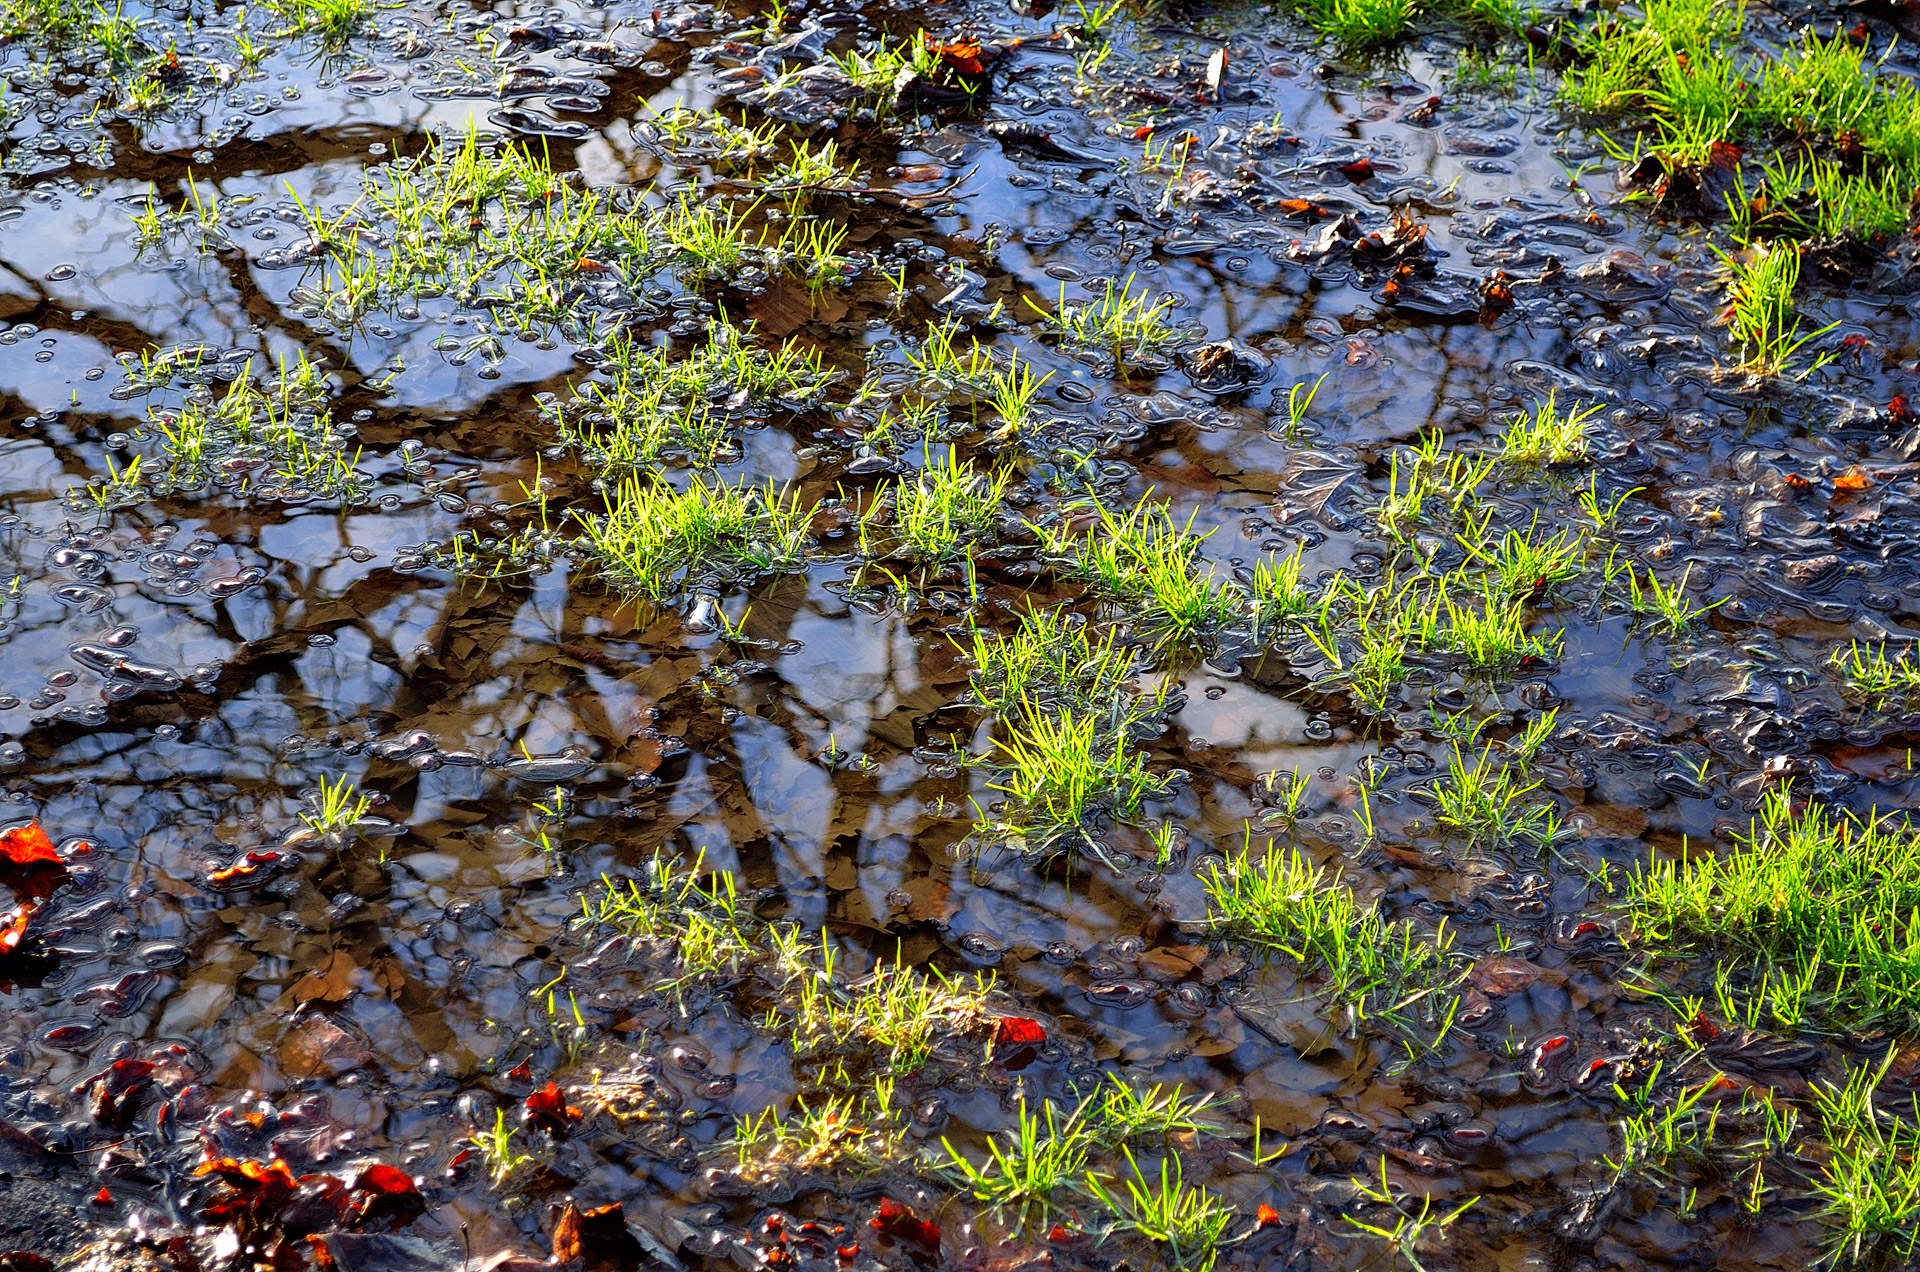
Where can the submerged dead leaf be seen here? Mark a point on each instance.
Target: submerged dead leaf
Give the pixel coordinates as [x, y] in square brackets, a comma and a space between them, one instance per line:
[1499, 975]
[331, 982]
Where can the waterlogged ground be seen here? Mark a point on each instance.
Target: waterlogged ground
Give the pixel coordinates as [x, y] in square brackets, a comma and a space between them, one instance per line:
[195, 654]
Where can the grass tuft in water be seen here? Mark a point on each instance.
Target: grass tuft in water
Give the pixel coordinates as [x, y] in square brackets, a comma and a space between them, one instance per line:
[1188, 1221]
[1283, 903]
[938, 516]
[1879, 681]
[655, 541]
[1814, 896]
[1025, 1173]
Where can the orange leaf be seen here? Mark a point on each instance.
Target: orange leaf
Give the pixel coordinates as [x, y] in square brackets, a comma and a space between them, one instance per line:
[1266, 1217]
[1852, 479]
[27, 845]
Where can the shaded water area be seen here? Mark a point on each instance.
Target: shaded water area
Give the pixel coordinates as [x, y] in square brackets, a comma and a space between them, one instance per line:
[373, 572]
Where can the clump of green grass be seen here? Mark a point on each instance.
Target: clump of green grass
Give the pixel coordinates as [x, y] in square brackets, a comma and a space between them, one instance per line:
[1119, 322]
[1427, 483]
[1666, 608]
[1072, 718]
[1285, 904]
[1671, 70]
[334, 21]
[1188, 1221]
[857, 1134]
[1871, 1177]
[643, 406]
[1120, 1113]
[1822, 898]
[901, 1011]
[335, 806]
[1054, 661]
[939, 515]
[701, 914]
[271, 438]
[1881, 682]
[1490, 802]
[1062, 769]
[1147, 565]
[654, 540]
[1549, 437]
[1360, 23]
[1410, 1227]
[1024, 1175]
[1764, 320]
[685, 132]
[496, 1150]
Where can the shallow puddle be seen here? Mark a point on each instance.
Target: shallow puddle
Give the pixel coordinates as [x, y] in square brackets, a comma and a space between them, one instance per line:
[351, 721]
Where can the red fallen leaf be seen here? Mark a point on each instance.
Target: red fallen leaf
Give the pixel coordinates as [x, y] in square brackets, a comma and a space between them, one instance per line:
[899, 1222]
[1900, 411]
[1266, 1217]
[1143, 132]
[1359, 171]
[597, 1237]
[1701, 1030]
[548, 1110]
[1591, 1074]
[28, 845]
[522, 1072]
[1860, 34]
[1795, 482]
[1724, 155]
[13, 926]
[385, 1190]
[25, 1261]
[848, 1253]
[1017, 1031]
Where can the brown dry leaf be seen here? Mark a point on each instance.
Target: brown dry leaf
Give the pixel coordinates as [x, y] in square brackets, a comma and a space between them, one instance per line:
[599, 1237]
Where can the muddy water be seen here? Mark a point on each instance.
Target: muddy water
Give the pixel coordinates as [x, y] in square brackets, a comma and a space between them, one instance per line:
[379, 1006]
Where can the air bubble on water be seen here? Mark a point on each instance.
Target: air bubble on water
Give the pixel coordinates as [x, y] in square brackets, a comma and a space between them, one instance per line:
[61, 273]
